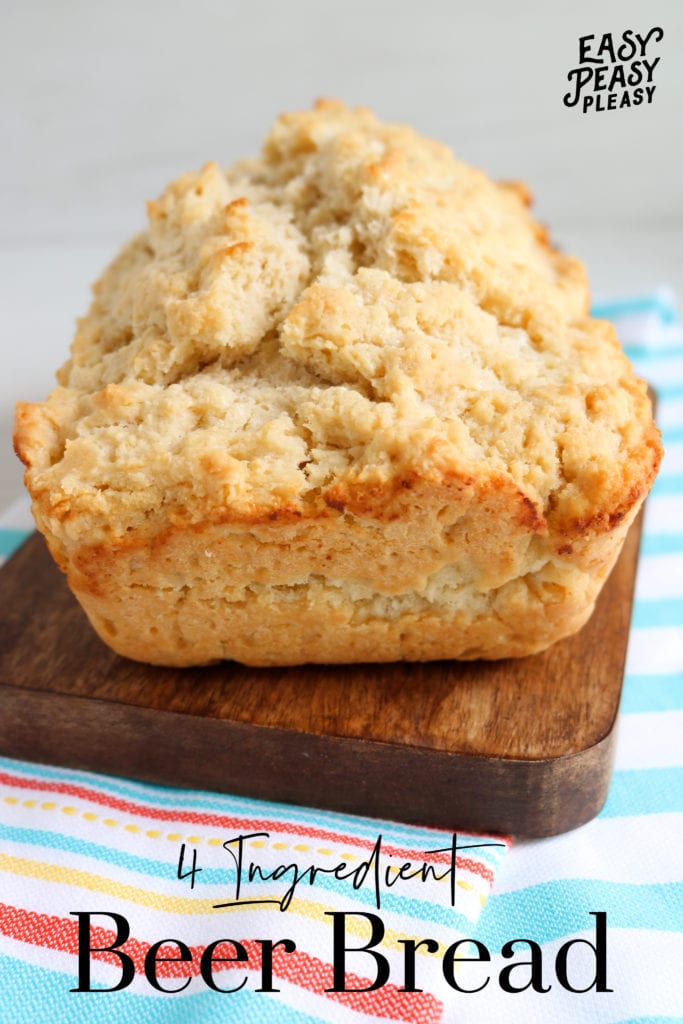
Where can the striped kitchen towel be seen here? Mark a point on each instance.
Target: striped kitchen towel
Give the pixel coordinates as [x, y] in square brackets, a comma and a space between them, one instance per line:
[72, 842]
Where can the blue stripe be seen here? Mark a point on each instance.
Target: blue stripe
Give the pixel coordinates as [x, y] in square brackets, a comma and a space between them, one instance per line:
[643, 352]
[657, 304]
[106, 854]
[661, 543]
[10, 540]
[551, 910]
[668, 483]
[664, 611]
[644, 791]
[665, 390]
[652, 693]
[672, 434]
[35, 994]
[651, 1020]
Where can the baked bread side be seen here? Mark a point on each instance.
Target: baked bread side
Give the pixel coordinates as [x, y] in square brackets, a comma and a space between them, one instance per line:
[340, 403]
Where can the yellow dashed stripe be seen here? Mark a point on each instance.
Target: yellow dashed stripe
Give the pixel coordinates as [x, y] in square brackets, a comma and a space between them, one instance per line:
[176, 836]
[212, 841]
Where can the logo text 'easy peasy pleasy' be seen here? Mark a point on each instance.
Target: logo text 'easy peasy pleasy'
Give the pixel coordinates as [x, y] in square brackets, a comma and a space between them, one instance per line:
[614, 71]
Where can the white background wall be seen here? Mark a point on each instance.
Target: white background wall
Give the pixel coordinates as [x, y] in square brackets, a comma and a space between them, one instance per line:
[102, 103]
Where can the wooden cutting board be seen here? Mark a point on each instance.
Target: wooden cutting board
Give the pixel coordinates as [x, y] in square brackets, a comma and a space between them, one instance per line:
[521, 746]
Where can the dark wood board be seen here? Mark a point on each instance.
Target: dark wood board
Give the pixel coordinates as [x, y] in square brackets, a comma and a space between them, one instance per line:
[522, 746]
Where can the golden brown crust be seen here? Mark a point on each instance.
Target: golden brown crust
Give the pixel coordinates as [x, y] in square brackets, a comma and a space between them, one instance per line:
[357, 373]
[339, 590]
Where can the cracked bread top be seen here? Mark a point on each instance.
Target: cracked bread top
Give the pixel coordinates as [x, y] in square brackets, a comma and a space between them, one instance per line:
[308, 332]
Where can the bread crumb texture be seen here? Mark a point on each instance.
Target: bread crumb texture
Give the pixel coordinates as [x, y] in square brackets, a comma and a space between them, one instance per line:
[351, 383]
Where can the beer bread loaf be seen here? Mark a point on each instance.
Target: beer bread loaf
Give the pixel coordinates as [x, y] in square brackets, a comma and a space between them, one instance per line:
[340, 403]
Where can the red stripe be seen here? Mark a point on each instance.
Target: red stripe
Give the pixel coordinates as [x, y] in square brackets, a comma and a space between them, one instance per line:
[298, 968]
[250, 824]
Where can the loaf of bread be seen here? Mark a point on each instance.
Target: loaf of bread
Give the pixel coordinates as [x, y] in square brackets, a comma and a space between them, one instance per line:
[340, 403]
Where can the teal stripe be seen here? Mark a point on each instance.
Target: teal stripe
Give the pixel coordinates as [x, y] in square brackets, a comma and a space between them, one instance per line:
[10, 540]
[551, 910]
[638, 352]
[244, 807]
[35, 995]
[668, 483]
[644, 791]
[224, 878]
[110, 855]
[652, 693]
[671, 435]
[667, 391]
[657, 304]
[661, 543]
[664, 611]
[651, 1020]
